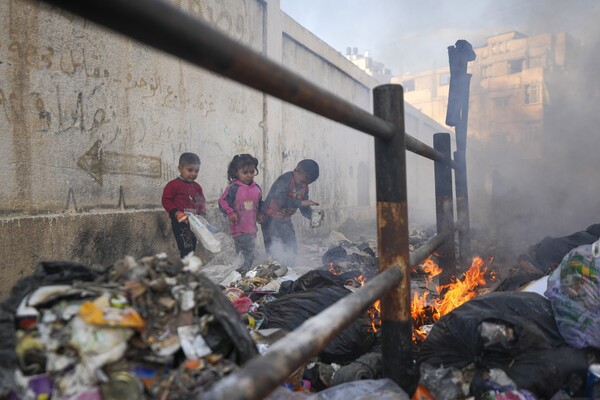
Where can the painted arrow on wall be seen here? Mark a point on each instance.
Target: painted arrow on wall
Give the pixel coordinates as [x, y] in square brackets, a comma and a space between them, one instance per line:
[98, 162]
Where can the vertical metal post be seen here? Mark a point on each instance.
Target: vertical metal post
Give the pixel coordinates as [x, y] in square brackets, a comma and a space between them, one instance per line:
[462, 208]
[444, 207]
[457, 115]
[392, 235]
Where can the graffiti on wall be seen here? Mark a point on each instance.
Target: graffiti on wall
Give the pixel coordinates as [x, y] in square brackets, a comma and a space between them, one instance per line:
[97, 162]
[232, 21]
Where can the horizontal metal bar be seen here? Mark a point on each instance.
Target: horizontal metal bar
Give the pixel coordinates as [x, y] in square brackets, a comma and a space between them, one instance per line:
[168, 28]
[418, 147]
[262, 374]
[429, 247]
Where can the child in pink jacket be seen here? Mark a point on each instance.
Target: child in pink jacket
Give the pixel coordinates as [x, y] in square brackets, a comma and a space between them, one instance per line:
[240, 202]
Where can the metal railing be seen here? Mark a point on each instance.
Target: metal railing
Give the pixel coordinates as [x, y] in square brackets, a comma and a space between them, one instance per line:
[165, 27]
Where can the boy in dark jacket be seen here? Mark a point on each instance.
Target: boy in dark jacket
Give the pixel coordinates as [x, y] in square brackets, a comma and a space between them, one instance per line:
[288, 194]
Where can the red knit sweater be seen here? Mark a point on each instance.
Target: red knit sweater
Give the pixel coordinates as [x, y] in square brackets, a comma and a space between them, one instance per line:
[180, 195]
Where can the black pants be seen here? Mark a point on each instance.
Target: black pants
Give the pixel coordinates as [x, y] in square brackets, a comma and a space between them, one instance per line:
[245, 244]
[186, 241]
[280, 240]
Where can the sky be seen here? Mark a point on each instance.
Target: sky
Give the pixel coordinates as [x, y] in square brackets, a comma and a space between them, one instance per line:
[413, 35]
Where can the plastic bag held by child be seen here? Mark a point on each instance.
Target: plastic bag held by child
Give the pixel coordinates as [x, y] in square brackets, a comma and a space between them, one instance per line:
[574, 292]
[199, 227]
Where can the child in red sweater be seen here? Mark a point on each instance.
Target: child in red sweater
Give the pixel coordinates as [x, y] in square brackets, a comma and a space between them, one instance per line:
[183, 194]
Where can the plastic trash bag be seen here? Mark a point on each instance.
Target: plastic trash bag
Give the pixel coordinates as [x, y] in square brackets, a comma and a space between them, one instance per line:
[368, 389]
[536, 358]
[200, 228]
[574, 293]
[290, 311]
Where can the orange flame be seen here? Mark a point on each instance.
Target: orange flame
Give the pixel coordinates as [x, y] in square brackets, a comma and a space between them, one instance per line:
[431, 268]
[361, 280]
[461, 291]
[374, 315]
[456, 293]
[334, 269]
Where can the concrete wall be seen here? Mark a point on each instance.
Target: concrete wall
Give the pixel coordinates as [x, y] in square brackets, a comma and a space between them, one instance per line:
[92, 125]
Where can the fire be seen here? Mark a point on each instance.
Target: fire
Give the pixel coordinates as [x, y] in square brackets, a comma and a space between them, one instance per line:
[461, 291]
[334, 269]
[417, 311]
[425, 312]
[458, 292]
[374, 315]
[360, 280]
[431, 268]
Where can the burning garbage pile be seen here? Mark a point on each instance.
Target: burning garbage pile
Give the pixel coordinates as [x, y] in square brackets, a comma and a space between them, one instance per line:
[518, 344]
[167, 329]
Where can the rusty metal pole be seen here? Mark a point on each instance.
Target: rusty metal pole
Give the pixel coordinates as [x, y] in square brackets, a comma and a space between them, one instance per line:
[457, 115]
[444, 207]
[392, 235]
[462, 209]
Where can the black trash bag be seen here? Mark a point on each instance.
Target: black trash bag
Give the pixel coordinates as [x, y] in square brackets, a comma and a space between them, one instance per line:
[349, 253]
[289, 311]
[45, 273]
[319, 278]
[335, 255]
[351, 343]
[366, 248]
[548, 253]
[312, 279]
[228, 335]
[535, 356]
[515, 282]
[367, 366]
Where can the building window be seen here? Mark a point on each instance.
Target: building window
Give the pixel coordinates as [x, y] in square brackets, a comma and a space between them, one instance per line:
[515, 66]
[501, 102]
[444, 78]
[533, 93]
[409, 85]
[531, 134]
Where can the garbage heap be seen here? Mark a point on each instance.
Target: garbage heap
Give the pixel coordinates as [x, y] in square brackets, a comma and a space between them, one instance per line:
[147, 327]
[165, 328]
[159, 327]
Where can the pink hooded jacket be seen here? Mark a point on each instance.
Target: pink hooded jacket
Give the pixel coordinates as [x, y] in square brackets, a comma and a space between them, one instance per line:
[244, 200]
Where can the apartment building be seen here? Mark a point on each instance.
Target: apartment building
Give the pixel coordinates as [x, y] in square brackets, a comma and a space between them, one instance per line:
[513, 79]
[365, 62]
[531, 128]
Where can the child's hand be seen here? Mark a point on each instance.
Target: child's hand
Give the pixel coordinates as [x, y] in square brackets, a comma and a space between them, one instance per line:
[181, 217]
[305, 203]
[233, 218]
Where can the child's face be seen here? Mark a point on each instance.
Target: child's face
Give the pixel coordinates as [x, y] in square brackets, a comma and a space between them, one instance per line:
[246, 174]
[189, 172]
[300, 177]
